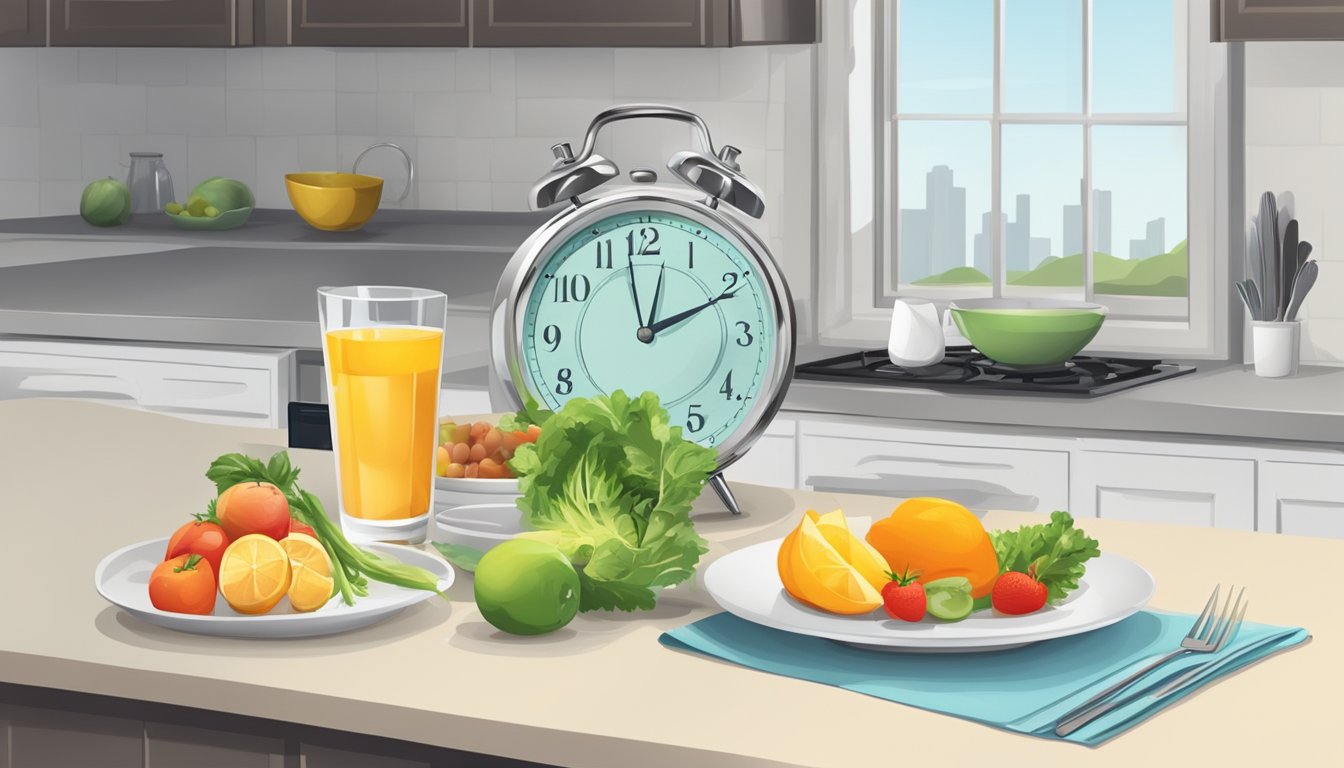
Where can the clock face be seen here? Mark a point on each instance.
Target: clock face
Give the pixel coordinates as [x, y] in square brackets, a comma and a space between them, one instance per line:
[649, 300]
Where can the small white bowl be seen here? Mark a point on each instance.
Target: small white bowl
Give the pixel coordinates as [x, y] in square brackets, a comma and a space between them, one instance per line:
[479, 526]
[450, 492]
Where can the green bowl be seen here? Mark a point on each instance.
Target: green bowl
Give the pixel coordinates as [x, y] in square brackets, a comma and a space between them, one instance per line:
[225, 220]
[1028, 332]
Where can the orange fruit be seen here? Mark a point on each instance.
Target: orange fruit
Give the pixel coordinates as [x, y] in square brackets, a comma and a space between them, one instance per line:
[254, 574]
[866, 560]
[817, 575]
[937, 538]
[310, 584]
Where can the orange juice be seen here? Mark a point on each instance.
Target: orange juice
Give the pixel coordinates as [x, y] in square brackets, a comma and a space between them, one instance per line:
[384, 395]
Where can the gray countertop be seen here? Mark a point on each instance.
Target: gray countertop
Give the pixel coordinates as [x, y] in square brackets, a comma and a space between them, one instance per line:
[389, 230]
[1218, 400]
[232, 296]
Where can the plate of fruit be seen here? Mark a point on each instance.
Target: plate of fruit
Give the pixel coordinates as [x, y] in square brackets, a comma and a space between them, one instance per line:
[264, 560]
[215, 204]
[930, 578]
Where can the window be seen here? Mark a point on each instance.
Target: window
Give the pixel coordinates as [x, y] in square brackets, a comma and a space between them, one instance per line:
[1032, 148]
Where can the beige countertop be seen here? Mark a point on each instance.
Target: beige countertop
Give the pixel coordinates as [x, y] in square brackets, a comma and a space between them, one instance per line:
[79, 480]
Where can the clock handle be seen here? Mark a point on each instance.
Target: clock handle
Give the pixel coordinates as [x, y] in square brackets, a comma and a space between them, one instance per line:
[720, 486]
[631, 111]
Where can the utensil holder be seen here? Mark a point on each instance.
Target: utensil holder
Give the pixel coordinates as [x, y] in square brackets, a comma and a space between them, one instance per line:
[1276, 347]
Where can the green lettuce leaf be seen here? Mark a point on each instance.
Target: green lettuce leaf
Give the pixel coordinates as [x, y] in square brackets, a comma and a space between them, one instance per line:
[610, 482]
[1056, 549]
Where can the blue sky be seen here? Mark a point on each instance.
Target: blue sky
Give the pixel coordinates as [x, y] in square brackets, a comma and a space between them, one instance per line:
[945, 63]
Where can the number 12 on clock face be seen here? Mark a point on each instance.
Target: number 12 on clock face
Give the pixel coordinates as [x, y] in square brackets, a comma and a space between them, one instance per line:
[652, 301]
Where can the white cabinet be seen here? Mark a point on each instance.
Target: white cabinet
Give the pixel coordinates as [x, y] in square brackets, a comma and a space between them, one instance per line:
[773, 459]
[980, 471]
[227, 385]
[1183, 490]
[1301, 499]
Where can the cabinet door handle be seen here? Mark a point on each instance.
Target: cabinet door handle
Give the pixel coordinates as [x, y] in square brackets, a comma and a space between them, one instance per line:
[82, 383]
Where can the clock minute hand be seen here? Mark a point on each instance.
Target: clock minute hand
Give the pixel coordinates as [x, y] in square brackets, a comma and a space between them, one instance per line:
[677, 318]
[634, 290]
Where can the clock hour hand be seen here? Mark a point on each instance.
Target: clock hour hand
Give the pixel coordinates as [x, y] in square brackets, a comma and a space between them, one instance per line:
[657, 295]
[634, 291]
[677, 318]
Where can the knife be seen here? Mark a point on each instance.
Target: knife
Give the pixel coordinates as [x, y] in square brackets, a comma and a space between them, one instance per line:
[1287, 267]
[1269, 255]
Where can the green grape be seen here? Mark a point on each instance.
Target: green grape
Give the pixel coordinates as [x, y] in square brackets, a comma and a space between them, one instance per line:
[211, 211]
[172, 209]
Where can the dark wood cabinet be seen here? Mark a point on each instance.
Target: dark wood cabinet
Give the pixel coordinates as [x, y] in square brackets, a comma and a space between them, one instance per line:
[671, 23]
[1249, 20]
[177, 23]
[579, 23]
[23, 22]
[367, 22]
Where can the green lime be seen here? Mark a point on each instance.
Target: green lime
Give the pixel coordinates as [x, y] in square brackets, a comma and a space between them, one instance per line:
[196, 205]
[949, 599]
[526, 587]
[211, 211]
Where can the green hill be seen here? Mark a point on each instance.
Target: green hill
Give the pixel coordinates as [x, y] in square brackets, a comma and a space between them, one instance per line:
[1165, 274]
[956, 276]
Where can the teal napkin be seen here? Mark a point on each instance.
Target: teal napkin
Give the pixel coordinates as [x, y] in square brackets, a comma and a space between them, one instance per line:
[1022, 689]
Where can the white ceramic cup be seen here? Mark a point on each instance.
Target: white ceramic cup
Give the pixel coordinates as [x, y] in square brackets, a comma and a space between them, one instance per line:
[916, 337]
[1276, 347]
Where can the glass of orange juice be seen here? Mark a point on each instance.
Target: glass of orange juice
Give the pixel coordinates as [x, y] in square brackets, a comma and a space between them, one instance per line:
[383, 349]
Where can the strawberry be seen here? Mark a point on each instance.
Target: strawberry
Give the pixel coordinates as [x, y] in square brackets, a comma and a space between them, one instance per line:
[903, 597]
[1017, 593]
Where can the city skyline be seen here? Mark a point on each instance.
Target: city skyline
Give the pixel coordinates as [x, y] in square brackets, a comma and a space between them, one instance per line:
[933, 238]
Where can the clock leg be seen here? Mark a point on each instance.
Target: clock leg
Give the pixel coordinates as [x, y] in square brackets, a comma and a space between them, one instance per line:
[725, 493]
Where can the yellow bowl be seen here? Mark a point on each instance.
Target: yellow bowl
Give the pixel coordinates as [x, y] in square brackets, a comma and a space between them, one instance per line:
[335, 202]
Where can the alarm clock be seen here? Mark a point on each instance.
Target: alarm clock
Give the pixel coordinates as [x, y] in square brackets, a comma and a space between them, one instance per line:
[653, 287]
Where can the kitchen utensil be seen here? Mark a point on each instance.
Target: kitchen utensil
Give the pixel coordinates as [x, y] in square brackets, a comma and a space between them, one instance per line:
[1275, 347]
[916, 336]
[1245, 297]
[122, 576]
[1302, 284]
[383, 351]
[1303, 253]
[406, 161]
[334, 202]
[1028, 331]
[1252, 296]
[1287, 267]
[1208, 635]
[225, 220]
[746, 584]
[150, 183]
[1253, 270]
[1269, 255]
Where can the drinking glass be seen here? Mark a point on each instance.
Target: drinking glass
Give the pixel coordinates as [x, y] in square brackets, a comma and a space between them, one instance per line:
[150, 184]
[383, 350]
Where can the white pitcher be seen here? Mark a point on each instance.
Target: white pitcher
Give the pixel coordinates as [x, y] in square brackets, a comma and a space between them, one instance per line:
[916, 338]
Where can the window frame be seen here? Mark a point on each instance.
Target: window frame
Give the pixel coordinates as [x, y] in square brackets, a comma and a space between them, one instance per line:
[853, 308]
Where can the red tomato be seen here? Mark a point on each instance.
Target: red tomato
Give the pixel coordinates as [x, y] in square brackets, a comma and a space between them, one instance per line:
[253, 508]
[296, 527]
[185, 584]
[199, 538]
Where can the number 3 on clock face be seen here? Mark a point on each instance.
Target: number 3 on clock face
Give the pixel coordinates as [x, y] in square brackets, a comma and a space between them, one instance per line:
[652, 301]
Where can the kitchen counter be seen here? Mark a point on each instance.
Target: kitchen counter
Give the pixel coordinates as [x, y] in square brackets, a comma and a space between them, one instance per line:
[81, 480]
[1217, 400]
[389, 230]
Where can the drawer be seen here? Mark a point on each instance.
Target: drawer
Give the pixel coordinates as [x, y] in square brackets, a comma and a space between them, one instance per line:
[772, 460]
[1183, 490]
[977, 476]
[1301, 499]
[226, 386]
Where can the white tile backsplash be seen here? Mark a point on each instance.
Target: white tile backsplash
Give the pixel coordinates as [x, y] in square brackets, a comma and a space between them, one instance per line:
[479, 122]
[1295, 148]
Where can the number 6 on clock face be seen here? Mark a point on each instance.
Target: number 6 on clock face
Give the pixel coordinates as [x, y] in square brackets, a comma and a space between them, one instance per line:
[650, 299]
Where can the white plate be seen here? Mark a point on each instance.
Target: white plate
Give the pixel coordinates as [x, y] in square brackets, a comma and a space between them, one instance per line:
[746, 584]
[122, 579]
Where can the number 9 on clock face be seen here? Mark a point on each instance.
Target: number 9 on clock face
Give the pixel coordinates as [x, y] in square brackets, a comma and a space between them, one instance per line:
[651, 300]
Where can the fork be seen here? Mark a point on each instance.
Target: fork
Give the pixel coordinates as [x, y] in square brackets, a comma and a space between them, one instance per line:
[1209, 634]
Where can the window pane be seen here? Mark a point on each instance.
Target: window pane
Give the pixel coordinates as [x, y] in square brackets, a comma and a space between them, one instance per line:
[945, 57]
[943, 189]
[1043, 56]
[1042, 181]
[1134, 56]
[1139, 232]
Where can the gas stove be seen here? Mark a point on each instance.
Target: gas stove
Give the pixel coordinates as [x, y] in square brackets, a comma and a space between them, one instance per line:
[963, 368]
